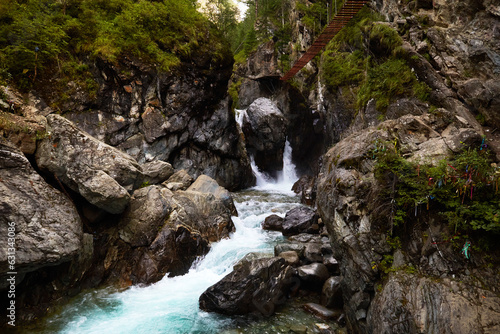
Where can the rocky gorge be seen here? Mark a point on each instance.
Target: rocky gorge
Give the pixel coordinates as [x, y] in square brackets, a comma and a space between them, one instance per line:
[131, 184]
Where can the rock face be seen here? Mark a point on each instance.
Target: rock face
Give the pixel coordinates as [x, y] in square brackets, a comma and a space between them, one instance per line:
[253, 286]
[459, 38]
[347, 199]
[264, 127]
[182, 117]
[102, 174]
[454, 307]
[43, 222]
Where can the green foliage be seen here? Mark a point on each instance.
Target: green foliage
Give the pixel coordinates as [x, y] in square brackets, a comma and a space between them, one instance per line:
[368, 54]
[233, 90]
[48, 35]
[463, 190]
[344, 68]
[222, 13]
[314, 15]
[386, 80]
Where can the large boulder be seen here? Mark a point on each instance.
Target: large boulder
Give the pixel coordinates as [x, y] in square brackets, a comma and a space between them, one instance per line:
[206, 184]
[148, 209]
[36, 220]
[253, 286]
[156, 172]
[331, 294]
[264, 126]
[300, 220]
[313, 275]
[273, 223]
[103, 175]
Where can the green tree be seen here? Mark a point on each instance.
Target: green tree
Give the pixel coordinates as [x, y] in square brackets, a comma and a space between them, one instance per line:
[223, 14]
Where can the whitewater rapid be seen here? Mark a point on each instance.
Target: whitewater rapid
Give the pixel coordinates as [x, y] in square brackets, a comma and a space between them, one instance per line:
[171, 305]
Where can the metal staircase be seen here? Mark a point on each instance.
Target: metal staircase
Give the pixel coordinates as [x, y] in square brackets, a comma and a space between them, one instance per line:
[345, 14]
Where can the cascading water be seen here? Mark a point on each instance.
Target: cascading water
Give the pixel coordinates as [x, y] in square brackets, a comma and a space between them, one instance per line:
[171, 305]
[285, 178]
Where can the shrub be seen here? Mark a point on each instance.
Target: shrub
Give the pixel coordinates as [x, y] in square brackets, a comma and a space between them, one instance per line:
[463, 190]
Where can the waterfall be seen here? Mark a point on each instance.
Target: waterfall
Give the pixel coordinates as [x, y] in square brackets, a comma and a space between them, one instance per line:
[285, 179]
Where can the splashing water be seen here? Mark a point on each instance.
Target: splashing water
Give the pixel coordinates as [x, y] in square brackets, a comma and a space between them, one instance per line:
[171, 305]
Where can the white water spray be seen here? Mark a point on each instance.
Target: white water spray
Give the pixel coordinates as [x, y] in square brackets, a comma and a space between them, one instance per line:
[171, 305]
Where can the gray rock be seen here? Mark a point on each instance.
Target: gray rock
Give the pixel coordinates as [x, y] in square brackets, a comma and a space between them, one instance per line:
[156, 172]
[47, 227]
[305, 238]
[406, 298]
[300, 220]
[331, 295]
[256, 286]
[203, 213]
[149, 207]
[312, 253]
[284, 247]
[102, 174]
[154, 123]
[263, 63]
[331, 263]
[206, 184]
[181, 177]
[273, 223]
[313, 275]
[264, 127]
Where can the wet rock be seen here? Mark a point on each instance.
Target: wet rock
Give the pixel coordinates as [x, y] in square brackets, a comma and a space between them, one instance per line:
[203, 212]
[148, 209]
[300, 220]
[255, 286]
[284, 247]
[273, 223]
[312, 253]
[321, 311]
[331, 263]
[206, 184]
[313, 275]
[45, 223]
[264, 127]
[181, 179]
[305, 187]
[156, 172]
[331, 295]
[102, 174]
[291, 257]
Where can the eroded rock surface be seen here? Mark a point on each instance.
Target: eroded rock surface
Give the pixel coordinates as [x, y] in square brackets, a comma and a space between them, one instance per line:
[103, 175]
[265, 127]
[43, 222]
[253, 286]
[349, 204]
